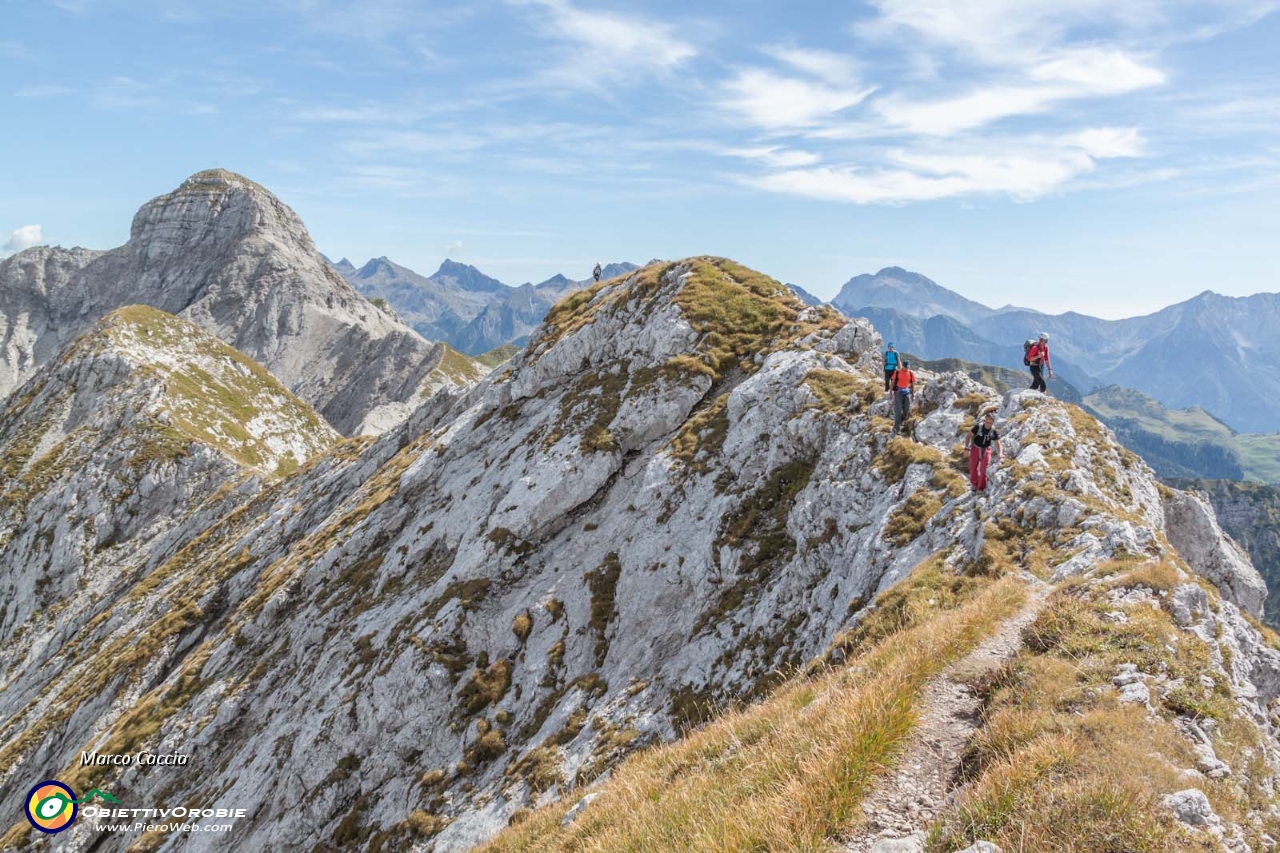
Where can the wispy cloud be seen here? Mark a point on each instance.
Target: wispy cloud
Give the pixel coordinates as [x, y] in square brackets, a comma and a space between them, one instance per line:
[804, 89]
[606, 47]
[1068, 75]
[1024, 169]
[999, 97]
[772, 101]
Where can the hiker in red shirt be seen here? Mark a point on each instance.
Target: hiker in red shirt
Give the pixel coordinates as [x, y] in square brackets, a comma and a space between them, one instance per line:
[980, 441]
[1038, 359]
[903, 384]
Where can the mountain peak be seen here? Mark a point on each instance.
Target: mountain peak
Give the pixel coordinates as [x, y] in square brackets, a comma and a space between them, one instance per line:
[557, 280]
[910, 293]
[451, 267]
[224, 252]
[468, 277]
[740, 315]
[220, 178]
[373, 265]
[215, 206]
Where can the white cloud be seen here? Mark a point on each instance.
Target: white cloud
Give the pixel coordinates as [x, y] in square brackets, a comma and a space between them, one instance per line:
[453, 247]
[24, 238]
[1065, 75]
[608, 45]
[1003, 32]
[771, 101]
[1097, 71]
[1023, 169]
[974, 109]
[817, 86]
[1107, 142]
[1021, 51]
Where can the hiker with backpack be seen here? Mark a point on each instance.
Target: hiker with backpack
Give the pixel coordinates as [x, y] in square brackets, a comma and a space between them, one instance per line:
[597, 272]
[890, 365]
[903, 381]
[1035, 354]
[979, 441]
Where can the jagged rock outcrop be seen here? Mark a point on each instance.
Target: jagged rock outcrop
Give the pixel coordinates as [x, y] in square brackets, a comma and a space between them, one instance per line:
[1250, 515]
[684, 485]
[225, 253]
[1193, 529]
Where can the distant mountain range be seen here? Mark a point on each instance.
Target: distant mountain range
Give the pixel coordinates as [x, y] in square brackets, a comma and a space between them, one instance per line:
[1217, 352]
[461, 306]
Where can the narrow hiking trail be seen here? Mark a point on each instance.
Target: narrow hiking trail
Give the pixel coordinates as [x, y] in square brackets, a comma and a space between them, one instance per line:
[899, 810]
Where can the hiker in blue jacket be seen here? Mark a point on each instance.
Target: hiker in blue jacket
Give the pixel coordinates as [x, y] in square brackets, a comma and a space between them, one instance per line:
[890, 365]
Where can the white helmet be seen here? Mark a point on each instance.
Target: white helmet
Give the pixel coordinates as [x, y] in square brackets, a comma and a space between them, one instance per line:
[1044, 336]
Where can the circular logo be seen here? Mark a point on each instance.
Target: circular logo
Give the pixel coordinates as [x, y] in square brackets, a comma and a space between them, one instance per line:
[51, 806]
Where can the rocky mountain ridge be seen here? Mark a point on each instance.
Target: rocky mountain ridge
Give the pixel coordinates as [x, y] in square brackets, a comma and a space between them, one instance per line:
[225, 253]
[682, 488]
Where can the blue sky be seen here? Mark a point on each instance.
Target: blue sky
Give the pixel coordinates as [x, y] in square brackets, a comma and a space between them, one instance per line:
[1102, 156]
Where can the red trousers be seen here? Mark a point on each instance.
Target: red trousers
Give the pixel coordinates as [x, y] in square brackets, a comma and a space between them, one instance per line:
[979, 458]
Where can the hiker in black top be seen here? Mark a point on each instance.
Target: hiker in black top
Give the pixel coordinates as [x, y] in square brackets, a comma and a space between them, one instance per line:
[980, 440]
[597, 272]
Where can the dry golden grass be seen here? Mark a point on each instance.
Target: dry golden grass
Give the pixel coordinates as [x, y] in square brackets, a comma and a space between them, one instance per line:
[1059, 766]
[840, 392]
[901, 453]
[788, 773]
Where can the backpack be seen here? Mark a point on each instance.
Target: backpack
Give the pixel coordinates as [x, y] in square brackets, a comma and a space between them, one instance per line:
[1026, 352]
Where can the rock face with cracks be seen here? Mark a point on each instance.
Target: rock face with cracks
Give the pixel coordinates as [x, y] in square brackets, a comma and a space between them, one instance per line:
[222, 251]
[683, 486]
[1194, 531]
